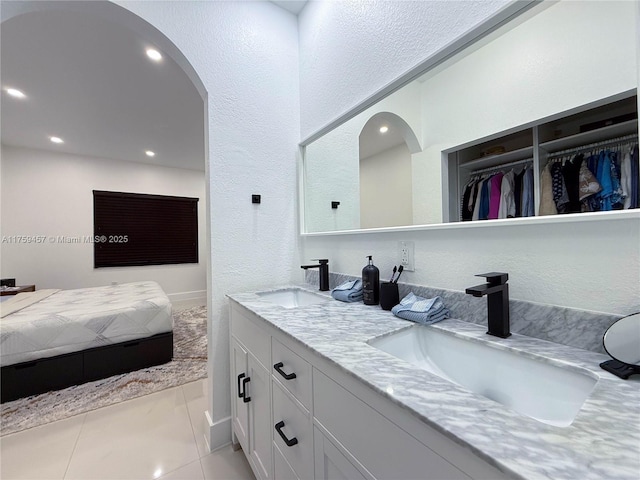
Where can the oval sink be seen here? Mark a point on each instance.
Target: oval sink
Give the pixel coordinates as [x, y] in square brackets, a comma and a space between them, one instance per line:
[292, 297]
[535, 388]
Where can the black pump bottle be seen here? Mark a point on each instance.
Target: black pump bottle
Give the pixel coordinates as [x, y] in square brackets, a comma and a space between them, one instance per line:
[370, 283]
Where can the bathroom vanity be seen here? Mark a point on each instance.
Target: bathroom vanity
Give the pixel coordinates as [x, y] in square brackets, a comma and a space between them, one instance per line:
[314, 395]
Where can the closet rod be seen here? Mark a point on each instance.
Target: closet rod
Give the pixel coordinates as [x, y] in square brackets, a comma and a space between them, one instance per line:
[581, 148]
[501, 166]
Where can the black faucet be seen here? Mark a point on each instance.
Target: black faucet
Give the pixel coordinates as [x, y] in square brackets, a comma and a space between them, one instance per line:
[323, 269]
[497, 292]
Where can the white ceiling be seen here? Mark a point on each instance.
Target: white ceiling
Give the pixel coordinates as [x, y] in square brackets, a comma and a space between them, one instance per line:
[373, 142]
[90, 82]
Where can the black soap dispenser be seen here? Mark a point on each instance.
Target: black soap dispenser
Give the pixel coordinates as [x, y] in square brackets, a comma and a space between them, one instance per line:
[370, 283]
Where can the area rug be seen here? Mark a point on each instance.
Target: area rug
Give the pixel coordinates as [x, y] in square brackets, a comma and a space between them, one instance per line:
[189, 364]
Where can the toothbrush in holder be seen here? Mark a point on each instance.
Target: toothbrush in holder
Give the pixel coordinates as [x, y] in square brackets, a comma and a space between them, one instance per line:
[395, 269]
[400, 269]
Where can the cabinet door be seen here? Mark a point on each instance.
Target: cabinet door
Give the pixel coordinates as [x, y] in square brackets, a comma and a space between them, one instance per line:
[259, 417]
[239, 373]
[331, 463]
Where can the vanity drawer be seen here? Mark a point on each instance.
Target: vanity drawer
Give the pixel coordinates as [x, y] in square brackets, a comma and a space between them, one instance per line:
[297, 425]
[373, 439]
[285, 364]
[247, 332]
[283, 470]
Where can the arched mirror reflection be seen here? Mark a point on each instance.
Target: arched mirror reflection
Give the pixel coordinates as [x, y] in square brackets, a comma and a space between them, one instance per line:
[386, 145]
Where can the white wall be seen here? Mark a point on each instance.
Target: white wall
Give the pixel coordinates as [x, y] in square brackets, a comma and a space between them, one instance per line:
[50, 194]
[590, 265]
[246, 55]
[385, 188]
[351, 49]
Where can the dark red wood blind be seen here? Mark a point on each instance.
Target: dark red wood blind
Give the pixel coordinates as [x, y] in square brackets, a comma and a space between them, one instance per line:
[137, 229]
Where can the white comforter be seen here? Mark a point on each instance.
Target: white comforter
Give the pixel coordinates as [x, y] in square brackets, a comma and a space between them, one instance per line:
[74, 320]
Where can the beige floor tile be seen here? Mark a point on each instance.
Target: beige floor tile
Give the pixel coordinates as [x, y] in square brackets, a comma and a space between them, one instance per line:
[225, 464]
[40, 453]
[197, 404]
[192, 471]
[135, 439]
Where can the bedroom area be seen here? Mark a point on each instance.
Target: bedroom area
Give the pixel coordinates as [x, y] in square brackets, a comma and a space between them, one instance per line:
[104, 248]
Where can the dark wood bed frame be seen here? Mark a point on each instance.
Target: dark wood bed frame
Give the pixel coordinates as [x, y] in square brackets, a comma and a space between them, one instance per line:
[54, 373]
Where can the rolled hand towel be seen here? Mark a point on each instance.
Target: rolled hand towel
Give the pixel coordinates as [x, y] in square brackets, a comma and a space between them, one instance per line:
[348, 291]
[421, 310]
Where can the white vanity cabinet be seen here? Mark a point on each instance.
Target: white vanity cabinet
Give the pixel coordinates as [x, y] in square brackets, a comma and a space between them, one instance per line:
[322, 423]
[251, 392]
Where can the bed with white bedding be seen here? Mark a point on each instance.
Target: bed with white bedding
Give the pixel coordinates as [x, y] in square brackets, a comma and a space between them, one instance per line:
[91, 332]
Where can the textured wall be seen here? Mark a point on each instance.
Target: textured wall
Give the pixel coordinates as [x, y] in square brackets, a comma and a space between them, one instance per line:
[50, 193]
[246, 54]
[351, 49]
[588, 265]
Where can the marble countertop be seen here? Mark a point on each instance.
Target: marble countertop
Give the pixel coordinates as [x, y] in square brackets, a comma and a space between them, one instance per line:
[603, 442]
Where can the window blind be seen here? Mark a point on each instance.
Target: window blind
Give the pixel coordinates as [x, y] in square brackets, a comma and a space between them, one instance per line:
[133, 229]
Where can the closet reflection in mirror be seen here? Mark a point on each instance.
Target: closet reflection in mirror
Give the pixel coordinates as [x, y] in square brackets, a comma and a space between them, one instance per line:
[510, 101]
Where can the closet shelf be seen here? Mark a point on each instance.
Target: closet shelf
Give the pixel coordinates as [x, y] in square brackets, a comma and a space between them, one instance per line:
[604, 133]
[495, 160]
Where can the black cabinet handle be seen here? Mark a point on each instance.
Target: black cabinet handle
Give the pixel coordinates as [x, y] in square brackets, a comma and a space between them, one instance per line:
[287, 376]
[245, 398]
[290, 443]
[240, 393]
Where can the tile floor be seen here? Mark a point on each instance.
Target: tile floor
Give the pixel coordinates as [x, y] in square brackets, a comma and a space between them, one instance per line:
[158, 436]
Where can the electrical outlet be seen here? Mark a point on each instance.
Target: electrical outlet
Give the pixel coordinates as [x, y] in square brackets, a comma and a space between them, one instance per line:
[406, 252]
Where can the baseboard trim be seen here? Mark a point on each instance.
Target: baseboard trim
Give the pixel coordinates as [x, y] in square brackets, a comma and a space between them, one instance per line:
[188, 299]
[219, 432]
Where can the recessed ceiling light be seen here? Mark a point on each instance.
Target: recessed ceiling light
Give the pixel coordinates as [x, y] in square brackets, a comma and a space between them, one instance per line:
[56, 139]
[14, 92]
[154, 54]
[384, 129]
[149, 153]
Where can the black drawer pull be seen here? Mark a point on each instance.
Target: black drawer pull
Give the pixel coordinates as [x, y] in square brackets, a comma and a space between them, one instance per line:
[245, 397]
[240, 393]
[290, 443]
[287, 376]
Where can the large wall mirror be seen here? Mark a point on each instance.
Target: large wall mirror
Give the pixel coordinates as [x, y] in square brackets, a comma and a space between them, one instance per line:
[558, 80]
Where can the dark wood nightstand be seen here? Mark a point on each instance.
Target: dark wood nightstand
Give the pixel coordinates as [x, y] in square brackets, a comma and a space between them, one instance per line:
[16, 290]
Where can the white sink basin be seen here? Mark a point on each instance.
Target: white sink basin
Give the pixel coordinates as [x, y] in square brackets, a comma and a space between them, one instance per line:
[292, 297]
[545, 392]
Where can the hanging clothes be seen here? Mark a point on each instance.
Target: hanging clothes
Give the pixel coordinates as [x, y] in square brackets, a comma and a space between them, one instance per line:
[617, 200]
[517, 193]
[507, 207]
[465, 213]
[588, 183]
[560, 195]
[635, 175]
[571, 174]
[625, 179]
[547, 205]
[483, 212]
[495, 194]
[528, 209]
[604, 178]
